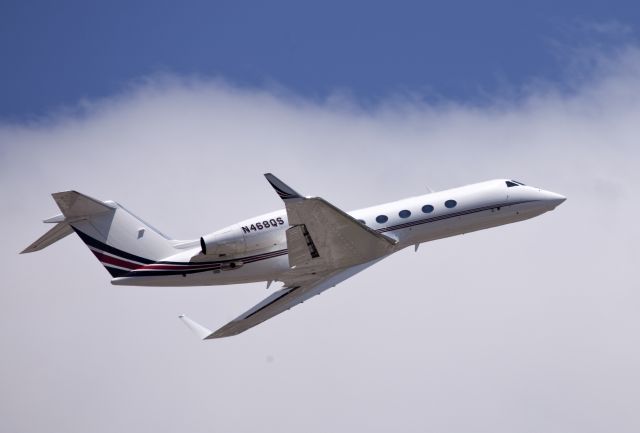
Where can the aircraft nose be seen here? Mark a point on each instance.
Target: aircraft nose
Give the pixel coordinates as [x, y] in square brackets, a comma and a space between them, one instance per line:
[553, 199]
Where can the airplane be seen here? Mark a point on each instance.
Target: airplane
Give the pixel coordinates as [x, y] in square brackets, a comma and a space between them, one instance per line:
[309, 246]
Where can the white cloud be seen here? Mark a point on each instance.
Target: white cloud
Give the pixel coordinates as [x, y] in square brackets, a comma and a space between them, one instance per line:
[530, 327]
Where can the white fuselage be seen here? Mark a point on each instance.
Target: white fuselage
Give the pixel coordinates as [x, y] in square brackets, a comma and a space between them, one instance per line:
[256, 249]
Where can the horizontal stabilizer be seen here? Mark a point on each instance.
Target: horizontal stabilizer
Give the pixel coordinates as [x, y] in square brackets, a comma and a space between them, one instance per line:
[58, 232]
[76, 205]
[195, 327]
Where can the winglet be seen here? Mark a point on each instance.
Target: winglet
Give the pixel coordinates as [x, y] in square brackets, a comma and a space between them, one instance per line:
[196, 328]
[282, 189]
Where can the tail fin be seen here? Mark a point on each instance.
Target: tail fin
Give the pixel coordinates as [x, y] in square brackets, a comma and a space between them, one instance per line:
[120, 240]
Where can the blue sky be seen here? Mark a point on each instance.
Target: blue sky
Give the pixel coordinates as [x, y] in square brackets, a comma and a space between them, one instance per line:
[57, 53]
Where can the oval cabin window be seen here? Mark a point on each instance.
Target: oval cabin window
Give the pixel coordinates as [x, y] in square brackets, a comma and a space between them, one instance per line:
[382, 219]
[450, 204]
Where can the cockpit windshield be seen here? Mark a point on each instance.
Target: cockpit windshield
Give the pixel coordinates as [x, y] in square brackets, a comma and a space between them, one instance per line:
[512, 183]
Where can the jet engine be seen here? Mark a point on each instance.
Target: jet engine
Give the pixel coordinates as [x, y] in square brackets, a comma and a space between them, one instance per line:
[226, 242]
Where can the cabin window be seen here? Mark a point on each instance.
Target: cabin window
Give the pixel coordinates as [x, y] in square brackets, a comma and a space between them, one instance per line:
[381, 219]
[450, 204]
[511, 184]
[427, 208]
[404, 213]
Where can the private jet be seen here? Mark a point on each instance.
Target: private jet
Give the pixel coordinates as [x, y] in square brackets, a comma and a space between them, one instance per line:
[309, 246]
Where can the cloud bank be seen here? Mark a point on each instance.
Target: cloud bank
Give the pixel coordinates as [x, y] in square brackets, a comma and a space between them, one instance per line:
[530, 327]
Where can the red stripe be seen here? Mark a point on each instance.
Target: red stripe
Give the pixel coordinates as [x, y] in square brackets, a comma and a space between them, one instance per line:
[195, 266]
[113, 261]
[140, 269]
[177, 267]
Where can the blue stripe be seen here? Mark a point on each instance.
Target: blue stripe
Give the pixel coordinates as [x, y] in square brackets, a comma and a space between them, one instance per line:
[214, 265]
[449, 215]
[109, 249]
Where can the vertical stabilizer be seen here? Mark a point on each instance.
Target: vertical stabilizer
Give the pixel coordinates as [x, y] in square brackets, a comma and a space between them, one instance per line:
[121, 241]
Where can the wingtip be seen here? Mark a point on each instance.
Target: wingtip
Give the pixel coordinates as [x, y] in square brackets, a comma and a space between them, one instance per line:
[282, 189]
[200, 331]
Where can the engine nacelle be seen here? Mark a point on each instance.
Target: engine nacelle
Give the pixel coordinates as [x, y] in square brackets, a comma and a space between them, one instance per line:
[265, 232]
[227, 242]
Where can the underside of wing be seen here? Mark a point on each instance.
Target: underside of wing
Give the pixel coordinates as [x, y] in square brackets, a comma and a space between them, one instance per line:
[325, 246]
[294, 293]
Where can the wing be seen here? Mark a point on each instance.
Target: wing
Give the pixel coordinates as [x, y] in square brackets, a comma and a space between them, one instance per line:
[323, 237]
[295, 292]
[325, 246]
